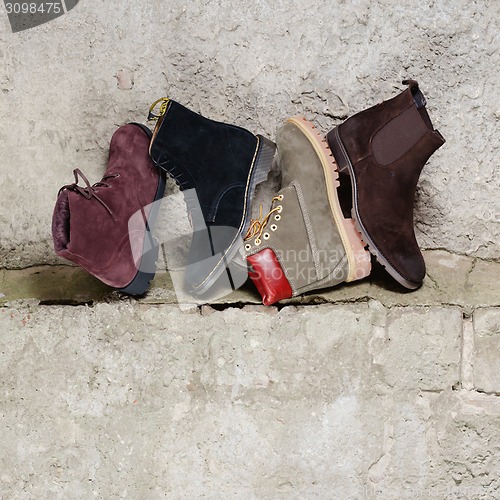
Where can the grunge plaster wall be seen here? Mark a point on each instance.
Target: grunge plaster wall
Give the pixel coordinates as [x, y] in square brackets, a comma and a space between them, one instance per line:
[67, 85]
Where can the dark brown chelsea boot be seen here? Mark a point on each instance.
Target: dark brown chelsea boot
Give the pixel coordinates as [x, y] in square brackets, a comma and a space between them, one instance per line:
[106, 227]
[384, 149]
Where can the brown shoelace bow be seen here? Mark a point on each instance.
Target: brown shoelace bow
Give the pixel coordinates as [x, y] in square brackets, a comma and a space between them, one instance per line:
[89, 191]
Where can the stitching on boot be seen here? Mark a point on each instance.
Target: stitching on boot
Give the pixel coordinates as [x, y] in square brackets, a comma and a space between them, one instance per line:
[327, 279]
[307, 223]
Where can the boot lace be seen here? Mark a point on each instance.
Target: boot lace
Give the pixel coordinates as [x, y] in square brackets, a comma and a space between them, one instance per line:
[167, 164]
[257, 226]
[89, 191]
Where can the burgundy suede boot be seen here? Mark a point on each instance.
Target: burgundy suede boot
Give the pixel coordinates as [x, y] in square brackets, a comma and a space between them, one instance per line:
[384, 149]
[94, 227]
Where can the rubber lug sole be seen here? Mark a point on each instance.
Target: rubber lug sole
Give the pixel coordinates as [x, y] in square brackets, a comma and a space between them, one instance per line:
[358, 258]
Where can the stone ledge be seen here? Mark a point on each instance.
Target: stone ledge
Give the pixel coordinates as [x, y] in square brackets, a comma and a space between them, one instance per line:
[362, 395]
[452, 280]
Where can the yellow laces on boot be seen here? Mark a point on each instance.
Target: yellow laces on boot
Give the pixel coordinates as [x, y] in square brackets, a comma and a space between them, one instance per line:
[257, 225]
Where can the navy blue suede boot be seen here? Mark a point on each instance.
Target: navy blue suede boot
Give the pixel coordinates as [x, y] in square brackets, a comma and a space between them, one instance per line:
[219, 165]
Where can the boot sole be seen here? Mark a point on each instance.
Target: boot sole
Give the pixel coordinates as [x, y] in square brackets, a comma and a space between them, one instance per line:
[140, 284]
[345, 166]
[259, 170]
[358, 258]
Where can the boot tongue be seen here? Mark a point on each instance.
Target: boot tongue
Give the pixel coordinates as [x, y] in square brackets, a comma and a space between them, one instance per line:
[61, 222]
[122, 147]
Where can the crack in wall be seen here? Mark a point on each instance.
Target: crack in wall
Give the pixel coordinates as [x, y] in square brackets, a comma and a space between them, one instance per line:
[469, 272]
[467, 355]
[486, 393]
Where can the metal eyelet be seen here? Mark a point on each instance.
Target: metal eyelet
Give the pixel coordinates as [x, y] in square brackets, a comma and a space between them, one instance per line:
[248, 247]
[277, 217]
[279, 208]
[274, 227]
[266, 236]
[280, 197]
[257, 242]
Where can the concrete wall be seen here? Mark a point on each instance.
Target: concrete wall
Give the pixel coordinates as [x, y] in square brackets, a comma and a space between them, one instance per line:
[371, 394]
[66, 85]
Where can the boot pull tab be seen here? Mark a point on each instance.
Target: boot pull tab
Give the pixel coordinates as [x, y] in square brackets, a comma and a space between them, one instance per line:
[418, 97]
[163, 108]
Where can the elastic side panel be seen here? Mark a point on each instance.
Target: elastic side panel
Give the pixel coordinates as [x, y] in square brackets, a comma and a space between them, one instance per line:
[396, 138]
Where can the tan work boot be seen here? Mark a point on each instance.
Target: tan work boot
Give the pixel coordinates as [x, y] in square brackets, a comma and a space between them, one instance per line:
[304, 243]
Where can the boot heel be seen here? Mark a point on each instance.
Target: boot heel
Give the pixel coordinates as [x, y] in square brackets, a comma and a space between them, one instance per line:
[338, 150]
[263, 160]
